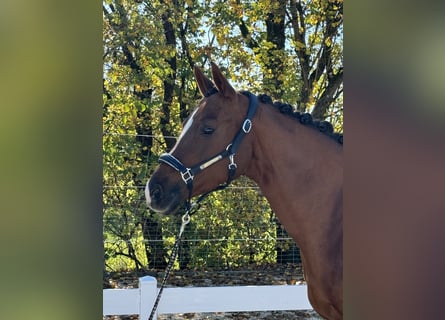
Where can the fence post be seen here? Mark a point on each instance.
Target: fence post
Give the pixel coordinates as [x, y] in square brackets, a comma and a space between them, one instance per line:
[148, 290]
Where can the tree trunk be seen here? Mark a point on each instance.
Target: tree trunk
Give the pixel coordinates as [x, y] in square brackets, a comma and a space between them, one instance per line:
[275, 34]
[169, 82]
[154, 246]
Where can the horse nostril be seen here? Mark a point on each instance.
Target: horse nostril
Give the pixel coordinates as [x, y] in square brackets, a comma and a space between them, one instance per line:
[156, 192]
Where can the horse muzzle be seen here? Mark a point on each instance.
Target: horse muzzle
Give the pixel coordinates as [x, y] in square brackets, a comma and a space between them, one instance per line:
[162, 198]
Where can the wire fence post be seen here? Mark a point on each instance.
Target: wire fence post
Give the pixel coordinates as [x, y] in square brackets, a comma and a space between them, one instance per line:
[148, 291]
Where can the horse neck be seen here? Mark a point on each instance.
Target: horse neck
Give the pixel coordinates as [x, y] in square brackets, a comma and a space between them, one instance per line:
[298, 169]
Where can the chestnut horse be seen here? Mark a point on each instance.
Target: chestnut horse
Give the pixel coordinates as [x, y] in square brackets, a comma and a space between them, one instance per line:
[298, 168]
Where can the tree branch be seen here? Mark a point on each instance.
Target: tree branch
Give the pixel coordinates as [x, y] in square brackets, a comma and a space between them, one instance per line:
[250, 42]
[327, 97]
[132, 257]
[325, 59]
[298, 20]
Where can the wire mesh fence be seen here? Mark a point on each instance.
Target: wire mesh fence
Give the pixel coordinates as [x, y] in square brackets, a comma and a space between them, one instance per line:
[232, 239]
[233, 228]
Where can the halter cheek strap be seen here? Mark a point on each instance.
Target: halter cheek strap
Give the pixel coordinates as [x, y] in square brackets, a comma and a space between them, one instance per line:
[188, 173]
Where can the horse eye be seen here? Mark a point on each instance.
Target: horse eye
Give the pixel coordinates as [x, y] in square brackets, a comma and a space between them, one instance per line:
[208, 130]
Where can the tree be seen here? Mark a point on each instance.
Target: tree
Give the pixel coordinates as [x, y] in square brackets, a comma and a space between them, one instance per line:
[316, 26]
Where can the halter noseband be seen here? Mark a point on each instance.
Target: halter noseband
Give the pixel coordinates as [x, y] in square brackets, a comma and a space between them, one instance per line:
[188, 174]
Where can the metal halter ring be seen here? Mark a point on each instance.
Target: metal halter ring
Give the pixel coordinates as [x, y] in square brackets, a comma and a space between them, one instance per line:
[247, 125]
[186, 218]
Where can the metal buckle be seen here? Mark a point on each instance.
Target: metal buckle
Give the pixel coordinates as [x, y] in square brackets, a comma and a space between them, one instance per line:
[187, 176]
[247, 126]
[232, 164]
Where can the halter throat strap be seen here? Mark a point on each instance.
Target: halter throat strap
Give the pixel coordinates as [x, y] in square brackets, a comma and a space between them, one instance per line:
[188, 173]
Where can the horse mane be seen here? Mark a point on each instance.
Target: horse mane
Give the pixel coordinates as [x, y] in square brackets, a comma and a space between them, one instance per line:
[287, 109]
[304, 118]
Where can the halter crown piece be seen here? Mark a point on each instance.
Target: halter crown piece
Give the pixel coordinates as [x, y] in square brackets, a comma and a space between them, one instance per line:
[188, 173]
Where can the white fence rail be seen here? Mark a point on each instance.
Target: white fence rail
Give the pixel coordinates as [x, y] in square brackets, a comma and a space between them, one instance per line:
[203, 299]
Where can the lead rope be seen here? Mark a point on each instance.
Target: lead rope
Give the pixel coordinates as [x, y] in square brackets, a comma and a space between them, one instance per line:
[191, 208]
[185, 221]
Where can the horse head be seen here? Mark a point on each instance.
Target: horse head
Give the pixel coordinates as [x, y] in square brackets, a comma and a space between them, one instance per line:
[206, 153]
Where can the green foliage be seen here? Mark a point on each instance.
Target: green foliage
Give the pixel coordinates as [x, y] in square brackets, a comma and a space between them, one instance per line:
[290, 50]
[240, 219]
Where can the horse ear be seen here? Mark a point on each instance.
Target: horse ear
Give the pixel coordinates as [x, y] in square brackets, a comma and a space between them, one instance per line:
[221, 82]
[204, 83]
